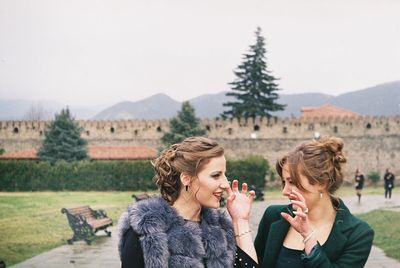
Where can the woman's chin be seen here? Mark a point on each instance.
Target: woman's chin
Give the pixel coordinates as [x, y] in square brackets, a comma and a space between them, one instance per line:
[212, 205]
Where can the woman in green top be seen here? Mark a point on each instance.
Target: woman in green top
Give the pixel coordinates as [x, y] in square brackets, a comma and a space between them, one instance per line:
[316, 229]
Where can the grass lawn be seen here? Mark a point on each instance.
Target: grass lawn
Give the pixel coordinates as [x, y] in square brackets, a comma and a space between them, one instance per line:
[387, 230]
[31, 222]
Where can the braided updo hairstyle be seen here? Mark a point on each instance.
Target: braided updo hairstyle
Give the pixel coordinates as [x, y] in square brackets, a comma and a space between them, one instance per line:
[318, 160]
[188, 157]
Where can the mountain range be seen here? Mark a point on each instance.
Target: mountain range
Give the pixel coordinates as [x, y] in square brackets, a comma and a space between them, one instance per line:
[383, 99]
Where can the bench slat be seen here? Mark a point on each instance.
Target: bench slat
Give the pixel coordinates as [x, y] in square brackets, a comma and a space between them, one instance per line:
[78, 226]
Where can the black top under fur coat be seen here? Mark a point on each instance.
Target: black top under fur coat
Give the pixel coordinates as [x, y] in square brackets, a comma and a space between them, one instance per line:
[132, 253]
[167, 240]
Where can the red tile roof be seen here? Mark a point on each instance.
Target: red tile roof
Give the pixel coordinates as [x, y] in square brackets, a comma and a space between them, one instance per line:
[96, 153]
[28, 155]
[121, 152]
[327, 110]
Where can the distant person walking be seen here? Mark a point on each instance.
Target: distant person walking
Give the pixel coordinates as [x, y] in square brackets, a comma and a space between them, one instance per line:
[389, 183]
[359, 183]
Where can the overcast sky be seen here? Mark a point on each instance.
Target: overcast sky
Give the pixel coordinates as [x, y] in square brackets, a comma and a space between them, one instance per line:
[95, 51]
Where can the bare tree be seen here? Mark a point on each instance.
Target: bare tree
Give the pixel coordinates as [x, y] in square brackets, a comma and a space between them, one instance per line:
[37, 112]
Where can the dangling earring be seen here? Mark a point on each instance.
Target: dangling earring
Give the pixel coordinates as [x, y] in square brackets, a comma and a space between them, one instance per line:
[320, 195]
[187, 195]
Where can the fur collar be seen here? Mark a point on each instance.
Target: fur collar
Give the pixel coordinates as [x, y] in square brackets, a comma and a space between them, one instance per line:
[169, 241]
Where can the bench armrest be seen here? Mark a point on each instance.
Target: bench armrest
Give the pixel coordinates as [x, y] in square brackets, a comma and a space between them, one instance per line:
[80, 219]
[99, 213]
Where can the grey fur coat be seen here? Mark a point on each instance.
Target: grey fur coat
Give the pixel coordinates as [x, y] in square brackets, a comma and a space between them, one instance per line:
[168, 240]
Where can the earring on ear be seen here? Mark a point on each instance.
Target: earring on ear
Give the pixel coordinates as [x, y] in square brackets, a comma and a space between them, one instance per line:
[320, 195]
[187, 195]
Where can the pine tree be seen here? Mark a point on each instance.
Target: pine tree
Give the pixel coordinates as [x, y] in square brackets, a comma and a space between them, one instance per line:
[184, 125]
[63, 140]
[254, 88]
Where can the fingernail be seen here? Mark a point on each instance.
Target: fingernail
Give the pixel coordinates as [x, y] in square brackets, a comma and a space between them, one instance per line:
[295, 212]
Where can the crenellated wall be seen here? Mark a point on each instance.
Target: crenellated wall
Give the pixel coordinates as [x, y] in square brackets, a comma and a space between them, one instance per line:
[371, 143]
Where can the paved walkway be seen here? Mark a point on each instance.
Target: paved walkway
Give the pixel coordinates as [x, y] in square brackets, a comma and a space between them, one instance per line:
[103, 251]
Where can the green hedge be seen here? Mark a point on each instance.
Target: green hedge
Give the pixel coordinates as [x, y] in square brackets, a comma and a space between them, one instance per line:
[374, 176]
[76, 176]
[106, 175]
[251, 170]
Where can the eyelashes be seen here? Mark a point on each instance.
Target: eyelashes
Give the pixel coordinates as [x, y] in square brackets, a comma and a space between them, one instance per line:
[216, 176]
[283, 182]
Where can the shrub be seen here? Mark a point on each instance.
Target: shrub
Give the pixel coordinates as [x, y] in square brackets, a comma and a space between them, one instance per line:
[272, 176]
[76, 176]
[106, 175]
[374, 176]
[252, 170]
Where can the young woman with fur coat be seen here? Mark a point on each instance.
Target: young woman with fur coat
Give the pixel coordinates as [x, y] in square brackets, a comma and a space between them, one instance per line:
[184, 227]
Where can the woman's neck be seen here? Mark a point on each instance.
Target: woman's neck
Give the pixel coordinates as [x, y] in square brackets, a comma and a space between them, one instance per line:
[188, 209]
[323, 211]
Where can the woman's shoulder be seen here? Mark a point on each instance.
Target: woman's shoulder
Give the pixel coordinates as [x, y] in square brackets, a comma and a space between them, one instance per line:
[148, 215]
[273, 212]
[150, 204]
[276, 208]
[360, 225]
[351, 222]
[359, 232]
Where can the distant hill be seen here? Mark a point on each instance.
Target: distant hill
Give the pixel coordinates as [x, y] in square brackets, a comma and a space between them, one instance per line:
[294, 102]
[161, 106]
[18, 109]
[158, 106]
[210, 105]
[383, 99]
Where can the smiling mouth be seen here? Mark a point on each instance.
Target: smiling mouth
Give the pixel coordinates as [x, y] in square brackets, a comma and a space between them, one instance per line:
[218, 196]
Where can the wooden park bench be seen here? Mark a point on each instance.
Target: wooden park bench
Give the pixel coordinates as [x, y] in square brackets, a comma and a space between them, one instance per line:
[85, 222]
[140, 197]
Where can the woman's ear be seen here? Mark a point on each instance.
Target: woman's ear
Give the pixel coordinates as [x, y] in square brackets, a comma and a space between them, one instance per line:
[185, 179]
[322, 187]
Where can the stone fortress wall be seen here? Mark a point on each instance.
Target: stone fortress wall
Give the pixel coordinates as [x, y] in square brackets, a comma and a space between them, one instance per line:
[371, 143]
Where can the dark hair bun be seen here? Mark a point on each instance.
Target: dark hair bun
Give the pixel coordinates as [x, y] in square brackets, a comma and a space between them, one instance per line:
[335, 147]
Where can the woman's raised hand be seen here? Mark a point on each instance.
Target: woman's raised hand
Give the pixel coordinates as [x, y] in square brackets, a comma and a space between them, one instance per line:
[300, 221]
[239, 203]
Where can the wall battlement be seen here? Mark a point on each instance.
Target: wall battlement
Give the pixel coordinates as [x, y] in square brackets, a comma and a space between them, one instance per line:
[371, 143]
[260, 128]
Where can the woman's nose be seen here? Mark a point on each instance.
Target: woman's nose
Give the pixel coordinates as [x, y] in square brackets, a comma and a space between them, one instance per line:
[287, 190]
[225, 183]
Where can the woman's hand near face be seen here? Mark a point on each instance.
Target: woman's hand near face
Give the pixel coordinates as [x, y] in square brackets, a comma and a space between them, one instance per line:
[300, 221]
[239, 203]
[239, 206]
